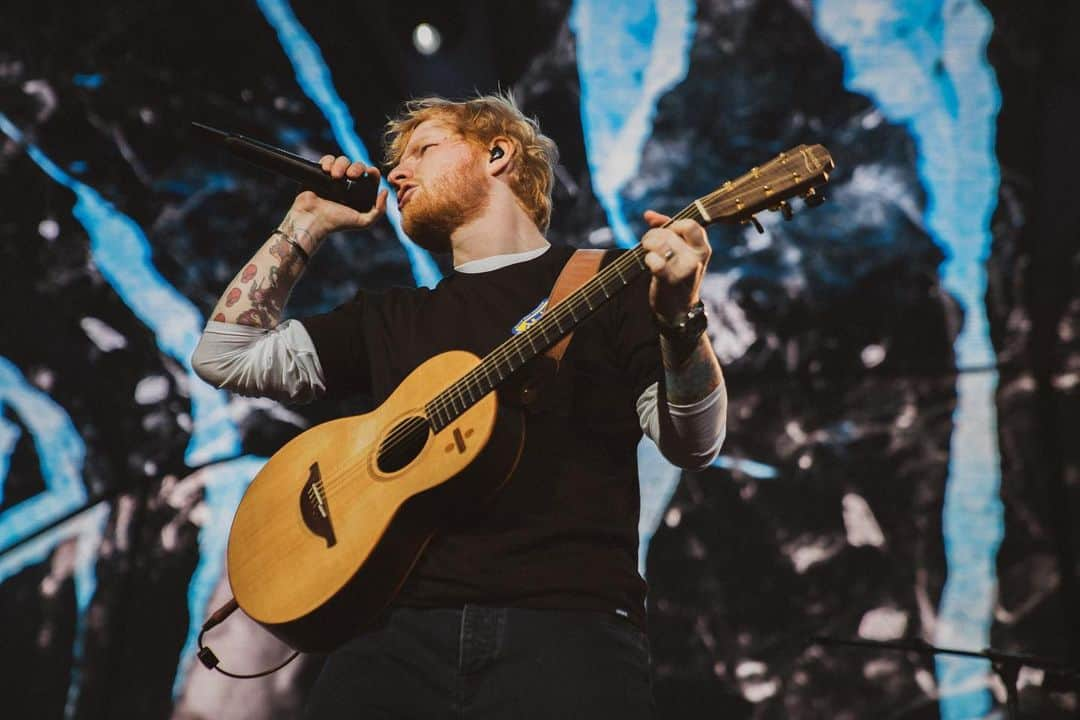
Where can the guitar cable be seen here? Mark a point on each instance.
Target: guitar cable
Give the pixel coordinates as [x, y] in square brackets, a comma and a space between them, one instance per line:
[210, 660]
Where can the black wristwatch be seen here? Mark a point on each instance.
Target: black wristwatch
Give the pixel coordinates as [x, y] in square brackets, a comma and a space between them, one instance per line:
[686, 328]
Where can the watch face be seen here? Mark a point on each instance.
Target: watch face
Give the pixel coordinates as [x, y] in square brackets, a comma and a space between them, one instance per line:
[687, 327]
[696, 320]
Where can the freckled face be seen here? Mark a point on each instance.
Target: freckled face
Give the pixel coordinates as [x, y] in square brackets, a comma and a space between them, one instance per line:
[440, 185]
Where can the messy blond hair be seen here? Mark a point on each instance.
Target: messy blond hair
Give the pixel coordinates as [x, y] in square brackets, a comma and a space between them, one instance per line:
[480, 120]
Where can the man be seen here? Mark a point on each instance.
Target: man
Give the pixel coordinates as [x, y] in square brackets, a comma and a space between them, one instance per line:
[531, 606]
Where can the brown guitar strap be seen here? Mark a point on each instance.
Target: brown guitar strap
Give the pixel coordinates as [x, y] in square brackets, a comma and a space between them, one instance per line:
[578, 270]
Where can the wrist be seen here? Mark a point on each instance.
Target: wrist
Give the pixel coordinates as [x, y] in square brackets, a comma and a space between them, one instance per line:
[681, 333]
[685, 325]
[304, 227]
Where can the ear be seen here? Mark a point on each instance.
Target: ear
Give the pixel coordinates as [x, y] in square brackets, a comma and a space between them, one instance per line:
[500, 157]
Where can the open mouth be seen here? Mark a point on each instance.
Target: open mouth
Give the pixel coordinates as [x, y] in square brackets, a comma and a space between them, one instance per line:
[404, 197]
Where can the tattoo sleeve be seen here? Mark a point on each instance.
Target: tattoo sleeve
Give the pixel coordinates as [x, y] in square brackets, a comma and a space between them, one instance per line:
[690, 375]
[258, 293]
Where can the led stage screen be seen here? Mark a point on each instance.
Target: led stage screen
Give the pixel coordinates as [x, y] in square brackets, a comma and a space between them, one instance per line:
[901, 361]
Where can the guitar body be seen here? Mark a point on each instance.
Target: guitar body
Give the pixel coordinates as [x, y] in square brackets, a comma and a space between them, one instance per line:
[332, 525]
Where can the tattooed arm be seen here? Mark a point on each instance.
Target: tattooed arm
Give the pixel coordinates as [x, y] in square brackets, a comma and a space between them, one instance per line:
[244, 348]
[690, 376]
[258, 293]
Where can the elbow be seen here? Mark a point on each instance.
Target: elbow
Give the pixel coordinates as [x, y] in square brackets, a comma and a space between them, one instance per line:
[203, 366]
[696, 460]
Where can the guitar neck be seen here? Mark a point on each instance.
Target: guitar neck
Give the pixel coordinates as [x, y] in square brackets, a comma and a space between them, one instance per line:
[502, 362]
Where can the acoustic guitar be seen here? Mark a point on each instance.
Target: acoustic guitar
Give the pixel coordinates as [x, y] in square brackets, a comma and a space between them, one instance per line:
[332, 525]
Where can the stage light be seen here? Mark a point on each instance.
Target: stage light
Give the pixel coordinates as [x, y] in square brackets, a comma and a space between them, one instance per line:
[426, 39]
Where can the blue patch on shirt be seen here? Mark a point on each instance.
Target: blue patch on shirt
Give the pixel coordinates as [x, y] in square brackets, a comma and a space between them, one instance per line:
[531, 319]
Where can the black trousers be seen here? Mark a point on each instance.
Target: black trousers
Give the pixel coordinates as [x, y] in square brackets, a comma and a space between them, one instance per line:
[481, 663]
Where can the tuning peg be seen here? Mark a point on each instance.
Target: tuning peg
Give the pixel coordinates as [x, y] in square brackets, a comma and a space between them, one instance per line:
[813, 198]
[757, 224]
[785, 210]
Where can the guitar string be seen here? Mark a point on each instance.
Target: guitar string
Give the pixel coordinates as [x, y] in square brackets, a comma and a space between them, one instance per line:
[332, 481]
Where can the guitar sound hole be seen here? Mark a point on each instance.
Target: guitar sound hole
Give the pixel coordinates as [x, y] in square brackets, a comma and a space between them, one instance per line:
[402, 444]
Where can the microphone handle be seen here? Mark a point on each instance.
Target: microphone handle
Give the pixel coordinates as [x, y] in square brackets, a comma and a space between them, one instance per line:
[358, 194]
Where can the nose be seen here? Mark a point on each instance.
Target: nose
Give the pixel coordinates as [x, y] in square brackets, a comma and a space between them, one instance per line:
[397, 176]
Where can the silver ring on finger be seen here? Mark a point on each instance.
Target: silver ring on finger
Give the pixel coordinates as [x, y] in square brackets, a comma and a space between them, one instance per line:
[669, 254]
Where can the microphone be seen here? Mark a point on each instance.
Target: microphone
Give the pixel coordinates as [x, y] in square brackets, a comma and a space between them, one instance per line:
[358, 194]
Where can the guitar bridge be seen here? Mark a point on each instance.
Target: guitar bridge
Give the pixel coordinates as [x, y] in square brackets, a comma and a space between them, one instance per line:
[314, 509]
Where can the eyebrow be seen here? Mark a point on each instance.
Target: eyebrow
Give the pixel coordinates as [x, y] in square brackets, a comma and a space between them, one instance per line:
[425, 136]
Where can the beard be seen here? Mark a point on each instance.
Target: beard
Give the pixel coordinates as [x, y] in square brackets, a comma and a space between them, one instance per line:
[442, 206]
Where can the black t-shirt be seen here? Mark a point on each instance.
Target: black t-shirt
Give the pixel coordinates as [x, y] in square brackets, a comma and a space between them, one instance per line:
[562, 532]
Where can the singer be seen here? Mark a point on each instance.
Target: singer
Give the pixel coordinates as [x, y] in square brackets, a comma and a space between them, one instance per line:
[530, 606]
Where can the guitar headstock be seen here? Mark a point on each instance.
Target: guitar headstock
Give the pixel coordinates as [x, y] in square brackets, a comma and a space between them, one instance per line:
[799, 171]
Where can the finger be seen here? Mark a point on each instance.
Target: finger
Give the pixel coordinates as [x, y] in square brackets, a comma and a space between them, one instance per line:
[358, 169]
[657, 238]
[337, 170]
[662, 268]
[307, 199]
[325, 162]
[666, 244]
[655, 219]
[691, 232]
[380, 204]
[655, 263]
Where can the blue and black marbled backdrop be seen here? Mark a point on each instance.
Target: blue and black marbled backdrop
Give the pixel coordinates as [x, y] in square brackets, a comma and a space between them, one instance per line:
[897, 465]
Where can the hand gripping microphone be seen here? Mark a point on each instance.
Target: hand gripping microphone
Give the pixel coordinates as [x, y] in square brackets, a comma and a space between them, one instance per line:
[358, 194]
